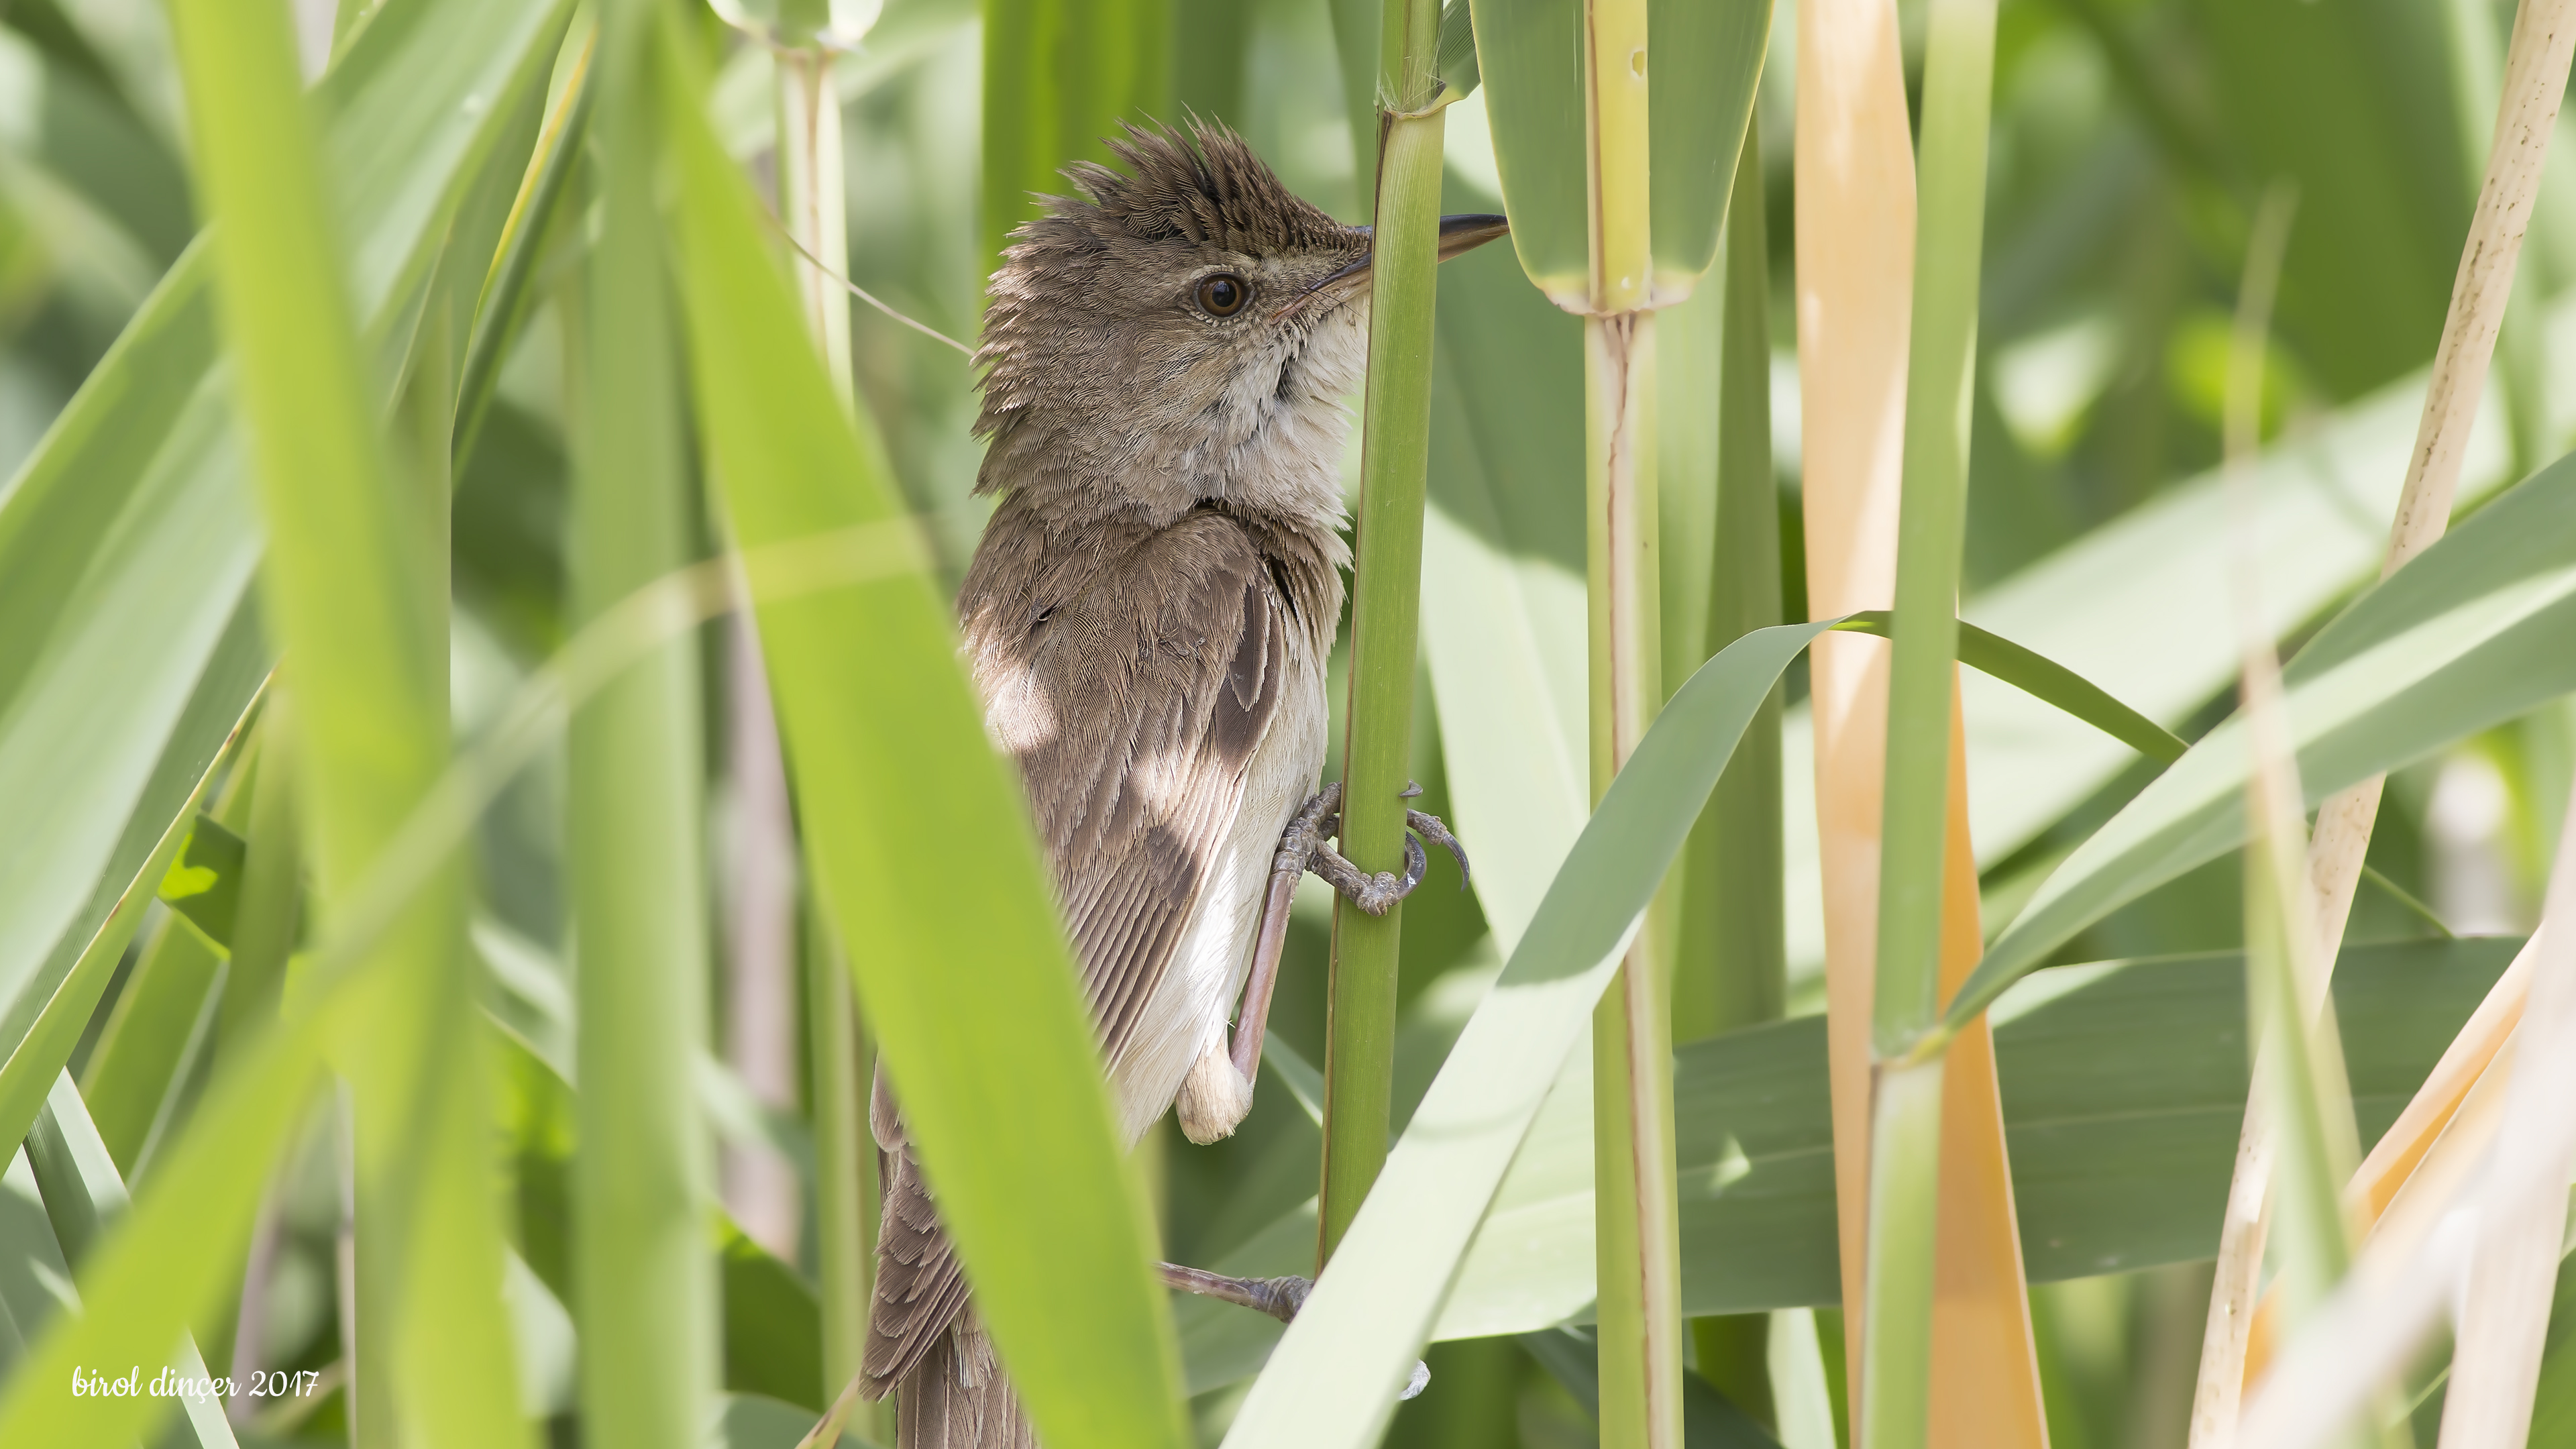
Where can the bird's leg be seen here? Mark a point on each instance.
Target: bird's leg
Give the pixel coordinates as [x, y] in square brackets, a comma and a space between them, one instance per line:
[1213, 1100]
[1302, 848]
[1278, 1297]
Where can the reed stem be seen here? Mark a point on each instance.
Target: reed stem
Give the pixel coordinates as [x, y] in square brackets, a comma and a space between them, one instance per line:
[1931, 532]
[1386, 607]
[645, 1280]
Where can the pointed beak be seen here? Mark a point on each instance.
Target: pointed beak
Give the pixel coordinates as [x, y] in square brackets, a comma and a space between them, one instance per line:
[1461, 233]
[1468, 231]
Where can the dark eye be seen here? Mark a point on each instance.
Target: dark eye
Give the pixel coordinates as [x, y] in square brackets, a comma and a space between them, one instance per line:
[1224, 294]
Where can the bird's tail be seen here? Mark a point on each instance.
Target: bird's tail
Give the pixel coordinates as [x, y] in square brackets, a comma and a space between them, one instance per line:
[958, 1398]
[924, 1341]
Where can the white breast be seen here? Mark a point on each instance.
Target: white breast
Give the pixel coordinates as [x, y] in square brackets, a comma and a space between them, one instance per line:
[1195, 999]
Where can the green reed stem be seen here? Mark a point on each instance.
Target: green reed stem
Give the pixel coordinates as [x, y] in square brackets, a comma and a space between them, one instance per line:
[1386, 608]
[1931, 528]
[645, 1279]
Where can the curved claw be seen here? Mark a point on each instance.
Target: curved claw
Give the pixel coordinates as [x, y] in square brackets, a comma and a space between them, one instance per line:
[1430, 828]
[1303, 848]
[1416, 865]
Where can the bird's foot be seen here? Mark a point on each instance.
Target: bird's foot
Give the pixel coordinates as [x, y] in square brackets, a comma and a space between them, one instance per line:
[1278, 1297]
[1302, 848]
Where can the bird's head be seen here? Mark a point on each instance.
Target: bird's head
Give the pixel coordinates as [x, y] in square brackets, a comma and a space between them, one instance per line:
[1185, 330]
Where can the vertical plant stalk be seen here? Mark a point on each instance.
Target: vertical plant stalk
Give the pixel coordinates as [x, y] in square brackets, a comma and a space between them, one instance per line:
[1386, 608]
[811, 196]
[1731, 965]
[1636, 1197]
[2247, 1224]
[759, 1185]
[1906, 1110]
[846, 1190]
[847, 1195]
[645, 1281]
[2310, 1114]
[263, 935]
[361, 610]
[1854, 279]
[1636, 1208]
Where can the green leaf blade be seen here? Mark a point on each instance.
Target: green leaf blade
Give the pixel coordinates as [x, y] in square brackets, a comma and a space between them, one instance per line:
[917, 830]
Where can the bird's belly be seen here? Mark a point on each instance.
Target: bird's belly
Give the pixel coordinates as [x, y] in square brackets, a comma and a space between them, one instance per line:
[1195, 998]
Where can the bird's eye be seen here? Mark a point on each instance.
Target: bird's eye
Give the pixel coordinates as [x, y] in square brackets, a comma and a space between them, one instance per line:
[1224, 294]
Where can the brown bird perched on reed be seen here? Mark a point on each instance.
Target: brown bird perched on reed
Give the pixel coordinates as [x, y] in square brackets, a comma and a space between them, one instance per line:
[1165, 361]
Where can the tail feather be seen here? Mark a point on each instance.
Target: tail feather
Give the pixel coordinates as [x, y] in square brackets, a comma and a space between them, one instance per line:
[924, 1344]
[959, 1399]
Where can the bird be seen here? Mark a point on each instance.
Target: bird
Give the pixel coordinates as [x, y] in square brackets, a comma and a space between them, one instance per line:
[1164, 361]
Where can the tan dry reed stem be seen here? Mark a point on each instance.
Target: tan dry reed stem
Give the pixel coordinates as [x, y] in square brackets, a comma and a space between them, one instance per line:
[2399, 1291]
[1854, 291]
[2544, 39]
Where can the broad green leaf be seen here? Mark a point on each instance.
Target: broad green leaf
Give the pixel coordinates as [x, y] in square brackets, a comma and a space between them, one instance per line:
[1503, 612]
[120, 571]
[1059, 75]
[1529, 57]
[773, 1326]
[2470, 634]
[1337, 1372]
[73, 122]
[1457, 61]
[1705, 55]
[1707, 59]
[126, 546]
[917, 835]
[2123, 1087]
[45, 1022]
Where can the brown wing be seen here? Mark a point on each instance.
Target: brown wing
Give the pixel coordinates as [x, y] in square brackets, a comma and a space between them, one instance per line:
[1133, 682]
[1160, 691]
